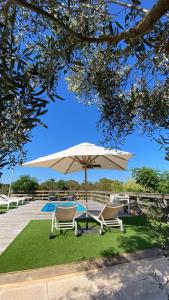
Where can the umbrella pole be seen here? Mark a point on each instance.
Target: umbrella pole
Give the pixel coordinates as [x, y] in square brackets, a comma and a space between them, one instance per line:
[10, 185]
[86, 198]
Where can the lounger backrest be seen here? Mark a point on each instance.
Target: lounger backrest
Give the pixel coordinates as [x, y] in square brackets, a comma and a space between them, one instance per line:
[2, 199]
[116, 198]
[65, 213]
[4, 196]
[110, 211]
[113, 197]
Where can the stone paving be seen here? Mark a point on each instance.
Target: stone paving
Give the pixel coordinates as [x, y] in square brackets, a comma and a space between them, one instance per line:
[129, 281]
[14, 221]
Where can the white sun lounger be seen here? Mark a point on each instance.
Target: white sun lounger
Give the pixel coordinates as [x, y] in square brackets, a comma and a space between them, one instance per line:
[15, 199]
[4, 202]
[64, 219]
[108, 217]
[121, 199]
[8, 201]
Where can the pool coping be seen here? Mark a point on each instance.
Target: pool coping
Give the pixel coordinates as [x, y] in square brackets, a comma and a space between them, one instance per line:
[76, 267]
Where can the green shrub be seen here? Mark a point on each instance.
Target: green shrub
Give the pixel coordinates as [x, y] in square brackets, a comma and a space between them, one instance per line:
[25, 184]
[132, 186]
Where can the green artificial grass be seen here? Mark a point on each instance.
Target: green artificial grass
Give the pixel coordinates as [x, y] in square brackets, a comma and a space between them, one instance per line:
[33, 248]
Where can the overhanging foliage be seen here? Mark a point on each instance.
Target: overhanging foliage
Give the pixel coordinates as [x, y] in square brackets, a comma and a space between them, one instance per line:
[114, 54]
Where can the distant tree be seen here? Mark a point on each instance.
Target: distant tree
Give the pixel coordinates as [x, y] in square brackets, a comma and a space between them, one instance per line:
[62, 185]
[117, 186]
[163, 186]
[4, 188]
[113, 53]
[25, 184]
[147, 177]
[49, 185]
[90, 186]
[72, 185]
[104, 184]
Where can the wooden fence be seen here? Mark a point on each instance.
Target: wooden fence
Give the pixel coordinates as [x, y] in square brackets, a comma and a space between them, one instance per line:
[100, 196]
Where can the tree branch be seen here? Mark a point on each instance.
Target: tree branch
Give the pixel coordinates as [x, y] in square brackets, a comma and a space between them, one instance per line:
[143, 27]
[6, 12]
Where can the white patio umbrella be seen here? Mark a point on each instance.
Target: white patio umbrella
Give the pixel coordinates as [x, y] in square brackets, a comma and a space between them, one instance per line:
[83, 157]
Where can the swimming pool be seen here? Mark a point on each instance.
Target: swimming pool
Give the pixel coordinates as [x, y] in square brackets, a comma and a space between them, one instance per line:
[50, 207]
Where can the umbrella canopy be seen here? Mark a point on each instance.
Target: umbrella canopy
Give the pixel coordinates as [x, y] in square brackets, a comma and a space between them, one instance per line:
[82, 157]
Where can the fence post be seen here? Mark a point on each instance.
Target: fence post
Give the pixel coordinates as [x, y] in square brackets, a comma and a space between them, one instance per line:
[138, 200]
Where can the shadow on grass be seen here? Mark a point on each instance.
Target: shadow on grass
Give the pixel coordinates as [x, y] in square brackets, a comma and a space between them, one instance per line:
[141, 238]
[53, 236]
[135, 220]
[129, 244]
[140, 223]
[81, 225]
[91, 226]
[109, 253]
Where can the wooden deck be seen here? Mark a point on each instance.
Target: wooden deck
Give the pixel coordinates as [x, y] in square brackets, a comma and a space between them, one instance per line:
[14, 221]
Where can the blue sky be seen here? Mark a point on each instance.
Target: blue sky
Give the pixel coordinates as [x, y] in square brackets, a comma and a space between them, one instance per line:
[70, 123]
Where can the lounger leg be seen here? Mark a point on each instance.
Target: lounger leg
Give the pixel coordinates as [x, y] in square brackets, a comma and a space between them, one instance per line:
[121, 225]
[76, 229]
[87, 226]
[101, 230]
[51, 232]
[75, 225]
[52, 225]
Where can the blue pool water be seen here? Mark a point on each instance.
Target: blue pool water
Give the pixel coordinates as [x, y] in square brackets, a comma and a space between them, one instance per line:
[50, 207]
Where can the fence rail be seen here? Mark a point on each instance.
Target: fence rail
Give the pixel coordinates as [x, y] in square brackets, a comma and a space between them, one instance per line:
[100, 196]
